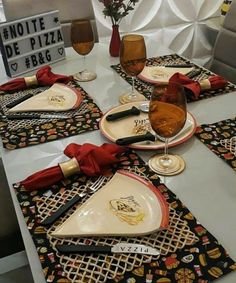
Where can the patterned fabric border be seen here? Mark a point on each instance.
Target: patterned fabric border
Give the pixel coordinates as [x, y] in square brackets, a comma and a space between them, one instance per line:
[216, 137]
[146, 88]
[22, 133]
[201, 262]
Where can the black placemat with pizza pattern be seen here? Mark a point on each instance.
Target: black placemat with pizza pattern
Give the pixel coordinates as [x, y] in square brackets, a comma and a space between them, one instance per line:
[220, 138]
[22, 133]
[145, 88]
[203, 261]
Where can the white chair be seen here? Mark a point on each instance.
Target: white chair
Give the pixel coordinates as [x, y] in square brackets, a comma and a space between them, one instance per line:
[224, 57]
[68, 11]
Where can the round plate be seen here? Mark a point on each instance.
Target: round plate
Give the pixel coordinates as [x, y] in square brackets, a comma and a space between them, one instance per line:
[160, 74]
[124, 127]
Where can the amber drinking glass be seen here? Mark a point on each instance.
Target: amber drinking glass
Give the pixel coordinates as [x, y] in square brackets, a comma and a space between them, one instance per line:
[132, 60]
[82, 39]
[167, 115]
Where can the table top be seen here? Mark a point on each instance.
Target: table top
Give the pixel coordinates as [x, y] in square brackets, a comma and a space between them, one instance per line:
[206, 182]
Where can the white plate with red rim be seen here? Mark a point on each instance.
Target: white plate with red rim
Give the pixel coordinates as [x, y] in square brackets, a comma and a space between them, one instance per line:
[127, 205]
[124, 127]
[161, 74]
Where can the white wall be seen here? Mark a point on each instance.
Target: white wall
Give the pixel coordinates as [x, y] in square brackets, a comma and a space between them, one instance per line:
[179, 24]
[2, 16]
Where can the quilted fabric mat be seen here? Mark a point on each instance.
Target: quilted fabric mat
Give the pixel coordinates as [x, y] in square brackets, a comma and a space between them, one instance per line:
[220, 138]
[203, 261]
[145, 88]
[22, 133]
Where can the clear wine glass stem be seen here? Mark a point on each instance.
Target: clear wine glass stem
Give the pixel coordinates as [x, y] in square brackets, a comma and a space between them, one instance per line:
[84, 63]
[166, 160]
[133, 89]
[166, 147]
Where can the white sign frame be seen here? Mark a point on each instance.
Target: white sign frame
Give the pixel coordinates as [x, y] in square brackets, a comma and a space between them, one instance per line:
[31, 42]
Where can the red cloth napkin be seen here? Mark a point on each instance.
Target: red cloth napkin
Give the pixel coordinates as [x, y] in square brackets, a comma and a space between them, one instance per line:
[213, 82]
[44, 77]
[93, 160]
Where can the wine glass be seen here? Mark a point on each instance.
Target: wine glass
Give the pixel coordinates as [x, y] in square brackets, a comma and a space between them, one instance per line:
[82, 39]
[167, 115]
[132, 60]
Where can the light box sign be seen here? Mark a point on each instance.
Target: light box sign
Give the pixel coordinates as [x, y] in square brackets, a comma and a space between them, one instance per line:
[32, 42]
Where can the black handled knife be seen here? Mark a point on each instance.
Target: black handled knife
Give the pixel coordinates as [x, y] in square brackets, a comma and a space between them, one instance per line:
[19, 100]
[117, 248]
[138, 138]
[118, 115]
[193, 73]
[63, 209]
[179, 65]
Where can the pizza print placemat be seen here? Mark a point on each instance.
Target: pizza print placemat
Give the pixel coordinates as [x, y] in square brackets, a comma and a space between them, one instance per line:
[220, 138]
[202, 260]
[22, 133]
[145, 88]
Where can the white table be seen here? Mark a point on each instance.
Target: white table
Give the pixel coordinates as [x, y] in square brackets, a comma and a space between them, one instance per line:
[207, 186]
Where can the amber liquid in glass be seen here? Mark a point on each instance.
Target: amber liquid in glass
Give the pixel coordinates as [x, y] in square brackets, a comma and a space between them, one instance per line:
[166, 119]
[167, 115]
[132, 60]
[133, 54]
[83, 48]
[82, 40]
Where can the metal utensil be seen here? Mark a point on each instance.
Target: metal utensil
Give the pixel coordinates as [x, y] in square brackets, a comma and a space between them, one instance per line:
[58, 213]
[138, 138]
[19, 100]
[134, 111]
[184, 65]
[150, 137]
[193, 73]
[117, 248]
[34, 116]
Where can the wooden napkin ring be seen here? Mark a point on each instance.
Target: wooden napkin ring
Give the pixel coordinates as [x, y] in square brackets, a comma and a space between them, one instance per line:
[205, 84]
[31, 81]
[70, 167]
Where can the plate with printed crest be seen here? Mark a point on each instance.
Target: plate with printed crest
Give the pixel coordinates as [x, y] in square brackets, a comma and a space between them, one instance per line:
[134, 125]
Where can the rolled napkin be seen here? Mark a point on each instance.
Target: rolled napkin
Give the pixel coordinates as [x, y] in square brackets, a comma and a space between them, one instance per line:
[43, 77]
[195, 87]
[88, 159]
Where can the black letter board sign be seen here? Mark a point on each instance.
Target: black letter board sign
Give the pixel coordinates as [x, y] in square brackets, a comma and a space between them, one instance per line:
[29, 43]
